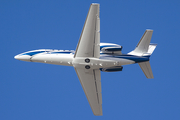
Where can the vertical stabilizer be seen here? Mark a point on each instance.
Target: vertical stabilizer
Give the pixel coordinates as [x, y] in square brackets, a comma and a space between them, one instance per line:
[143, 45]
[146, 68]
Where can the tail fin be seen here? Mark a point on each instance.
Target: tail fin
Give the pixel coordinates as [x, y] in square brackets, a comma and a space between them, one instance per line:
[143, 45]
[144, 48]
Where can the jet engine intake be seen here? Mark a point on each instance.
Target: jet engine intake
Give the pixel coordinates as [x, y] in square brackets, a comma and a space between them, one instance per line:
[112, 69]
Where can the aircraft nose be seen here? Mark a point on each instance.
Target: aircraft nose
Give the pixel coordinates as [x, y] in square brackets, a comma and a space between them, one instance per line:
[16, 57]
[22, 57]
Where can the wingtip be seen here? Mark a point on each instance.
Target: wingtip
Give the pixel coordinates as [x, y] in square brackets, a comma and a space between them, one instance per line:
[149, 30]
[94, 3]
[155, 44]
[98, 114]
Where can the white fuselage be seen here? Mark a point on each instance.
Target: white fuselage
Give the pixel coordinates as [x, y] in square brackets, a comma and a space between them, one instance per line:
[66, 57]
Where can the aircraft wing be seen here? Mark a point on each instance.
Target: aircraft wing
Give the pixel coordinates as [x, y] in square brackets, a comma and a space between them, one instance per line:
[89, 42]
[89, 46]
[91, 82]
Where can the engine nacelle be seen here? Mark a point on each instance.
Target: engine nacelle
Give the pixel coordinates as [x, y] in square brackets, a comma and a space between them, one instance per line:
[112, 69]
[109, 48]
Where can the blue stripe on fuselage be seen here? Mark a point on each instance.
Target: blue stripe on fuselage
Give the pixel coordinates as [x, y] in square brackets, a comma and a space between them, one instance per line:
[136, 59]
[60, 52]
[37, 52]
[33, 53]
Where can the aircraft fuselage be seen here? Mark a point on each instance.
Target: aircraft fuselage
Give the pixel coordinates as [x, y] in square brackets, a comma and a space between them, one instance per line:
[66, 57]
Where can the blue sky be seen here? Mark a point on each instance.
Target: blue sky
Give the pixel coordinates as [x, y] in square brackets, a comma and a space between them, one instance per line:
[34, 91]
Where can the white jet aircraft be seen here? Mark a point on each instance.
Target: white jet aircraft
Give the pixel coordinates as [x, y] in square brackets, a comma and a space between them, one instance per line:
[91, 57]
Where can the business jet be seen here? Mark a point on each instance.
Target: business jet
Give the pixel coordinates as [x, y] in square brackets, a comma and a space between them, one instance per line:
[91, 57]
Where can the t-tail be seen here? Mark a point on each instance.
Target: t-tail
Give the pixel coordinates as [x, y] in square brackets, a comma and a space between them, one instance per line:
[144, 49]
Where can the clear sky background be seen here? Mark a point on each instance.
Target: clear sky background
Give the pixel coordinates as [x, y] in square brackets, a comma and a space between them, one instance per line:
[36, 91]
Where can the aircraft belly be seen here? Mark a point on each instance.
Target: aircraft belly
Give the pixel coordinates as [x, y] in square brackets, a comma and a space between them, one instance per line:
[118, 61]
[96, 63]
[53, 59]
[126, 62]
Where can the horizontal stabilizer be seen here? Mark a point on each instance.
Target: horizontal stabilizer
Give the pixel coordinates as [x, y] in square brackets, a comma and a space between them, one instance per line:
[151, 48]
[146, 68]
